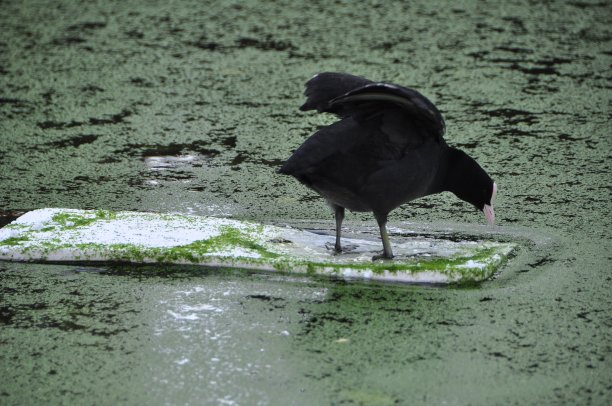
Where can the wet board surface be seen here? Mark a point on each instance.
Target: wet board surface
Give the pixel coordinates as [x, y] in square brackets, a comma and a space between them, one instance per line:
[61, 235]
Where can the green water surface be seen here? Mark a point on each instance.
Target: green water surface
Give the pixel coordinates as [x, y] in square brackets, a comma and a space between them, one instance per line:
[92, 92]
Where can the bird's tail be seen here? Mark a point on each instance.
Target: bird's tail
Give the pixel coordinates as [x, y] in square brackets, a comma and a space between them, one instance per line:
[326, 86]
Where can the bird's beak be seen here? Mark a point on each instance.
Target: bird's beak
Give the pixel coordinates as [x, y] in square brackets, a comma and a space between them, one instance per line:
[488, 209]
[489, 214]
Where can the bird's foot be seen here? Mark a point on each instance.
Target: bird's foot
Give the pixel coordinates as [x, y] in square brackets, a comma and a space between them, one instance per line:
[339, 249]
[333, 247]
[382, 256]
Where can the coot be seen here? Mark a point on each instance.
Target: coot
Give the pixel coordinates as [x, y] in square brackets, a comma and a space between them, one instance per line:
[387, 149]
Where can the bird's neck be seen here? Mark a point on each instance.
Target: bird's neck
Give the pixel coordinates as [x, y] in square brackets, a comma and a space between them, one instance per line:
[449, 172]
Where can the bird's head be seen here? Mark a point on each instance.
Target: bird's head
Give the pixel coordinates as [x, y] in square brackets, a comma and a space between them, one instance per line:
[469, 182]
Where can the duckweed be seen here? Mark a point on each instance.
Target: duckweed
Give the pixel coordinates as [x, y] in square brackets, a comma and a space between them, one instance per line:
[71, 220]
[14, 241]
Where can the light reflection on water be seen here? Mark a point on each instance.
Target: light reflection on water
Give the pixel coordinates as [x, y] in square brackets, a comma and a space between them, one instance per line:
[226, 335]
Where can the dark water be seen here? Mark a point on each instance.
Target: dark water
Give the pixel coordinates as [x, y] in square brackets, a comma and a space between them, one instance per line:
[93, 94]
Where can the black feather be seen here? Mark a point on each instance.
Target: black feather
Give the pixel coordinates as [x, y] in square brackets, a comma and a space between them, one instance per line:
[326, 86]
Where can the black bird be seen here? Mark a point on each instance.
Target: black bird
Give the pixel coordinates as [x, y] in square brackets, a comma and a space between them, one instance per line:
[387, 149]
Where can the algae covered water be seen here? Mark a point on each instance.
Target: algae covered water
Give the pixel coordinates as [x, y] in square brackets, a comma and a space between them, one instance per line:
[190, 107]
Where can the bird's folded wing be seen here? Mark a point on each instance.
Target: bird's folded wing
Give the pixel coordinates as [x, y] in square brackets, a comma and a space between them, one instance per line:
[365, 101]
[353, 96]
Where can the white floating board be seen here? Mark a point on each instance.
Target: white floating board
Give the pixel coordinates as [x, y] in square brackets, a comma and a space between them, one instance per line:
[62, 235]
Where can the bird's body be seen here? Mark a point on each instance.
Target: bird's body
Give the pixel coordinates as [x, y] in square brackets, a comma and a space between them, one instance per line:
[387, 149]
[366, 169]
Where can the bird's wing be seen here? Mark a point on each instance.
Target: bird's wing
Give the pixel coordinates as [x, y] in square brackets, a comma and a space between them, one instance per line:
[347, 95]
[326, 86]
[368, 100]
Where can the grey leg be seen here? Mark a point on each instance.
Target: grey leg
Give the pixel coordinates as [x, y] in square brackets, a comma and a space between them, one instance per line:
[382, 224]
[339, 213]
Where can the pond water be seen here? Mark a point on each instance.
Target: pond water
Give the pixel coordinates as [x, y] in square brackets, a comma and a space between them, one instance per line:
[190, 107]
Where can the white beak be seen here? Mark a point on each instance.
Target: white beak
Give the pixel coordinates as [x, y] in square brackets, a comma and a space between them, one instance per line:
[488, 210]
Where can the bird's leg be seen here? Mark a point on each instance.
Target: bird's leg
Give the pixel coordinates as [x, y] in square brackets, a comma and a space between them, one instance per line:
[339, 213]
[382, 224]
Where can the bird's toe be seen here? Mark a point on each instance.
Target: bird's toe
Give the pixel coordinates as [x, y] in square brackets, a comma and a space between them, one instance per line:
[340, 249]
[333, 247]
[382, 256]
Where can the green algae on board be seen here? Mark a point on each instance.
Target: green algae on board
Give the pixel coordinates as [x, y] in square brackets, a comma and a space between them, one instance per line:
[88, 235]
